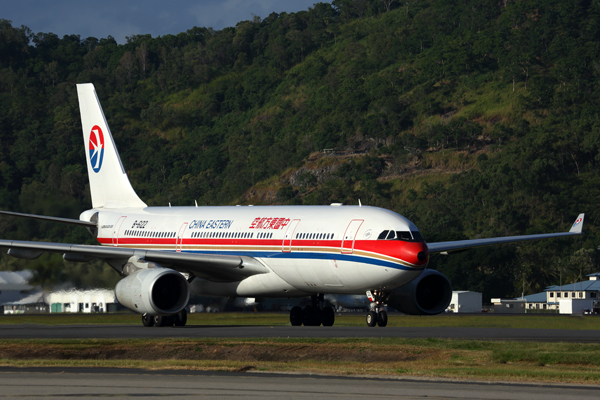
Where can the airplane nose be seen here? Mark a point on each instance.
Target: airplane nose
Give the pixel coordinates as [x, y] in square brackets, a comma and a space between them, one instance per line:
[415, 253]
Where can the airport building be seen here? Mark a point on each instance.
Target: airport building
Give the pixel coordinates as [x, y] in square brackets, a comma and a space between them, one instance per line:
[17, 295]
[32, 304]
[83, 301]
[464, 301]
[575, 298]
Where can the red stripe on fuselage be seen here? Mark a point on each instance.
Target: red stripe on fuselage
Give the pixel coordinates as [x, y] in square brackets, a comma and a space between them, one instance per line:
[403, 251]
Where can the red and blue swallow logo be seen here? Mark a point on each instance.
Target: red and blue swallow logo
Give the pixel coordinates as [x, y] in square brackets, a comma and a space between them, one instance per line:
[577, 222]
[96, 148]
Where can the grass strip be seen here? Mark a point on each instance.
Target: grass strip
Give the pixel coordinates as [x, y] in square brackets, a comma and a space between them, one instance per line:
[447, 358]
[532, 321]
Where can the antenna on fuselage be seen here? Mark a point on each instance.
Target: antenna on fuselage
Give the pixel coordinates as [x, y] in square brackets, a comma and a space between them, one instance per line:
[359, 203]
[196, 203]
[169, 204]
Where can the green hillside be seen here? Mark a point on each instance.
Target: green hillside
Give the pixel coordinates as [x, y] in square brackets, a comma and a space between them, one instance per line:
[473, 120]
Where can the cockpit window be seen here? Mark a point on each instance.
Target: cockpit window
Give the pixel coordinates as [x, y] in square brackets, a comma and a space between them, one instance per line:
[405, 236]
[417, 236]
[383, 235]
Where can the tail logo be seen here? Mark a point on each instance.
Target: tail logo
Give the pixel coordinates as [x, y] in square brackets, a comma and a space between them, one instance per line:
[577, 222]
[96, 148]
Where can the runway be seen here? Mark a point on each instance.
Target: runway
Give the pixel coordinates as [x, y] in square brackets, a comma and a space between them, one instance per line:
[68, 383]
[30, 331]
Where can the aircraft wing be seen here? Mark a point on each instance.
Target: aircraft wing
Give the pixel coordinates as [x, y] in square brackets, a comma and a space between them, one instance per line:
[458, 245]
[208, 266]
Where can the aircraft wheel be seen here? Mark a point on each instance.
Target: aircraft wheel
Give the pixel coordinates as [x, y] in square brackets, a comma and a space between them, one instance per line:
[159, 320]
[328, 316]
[296, 316]
[147, 320]
[163, 320]
[382, 319]
[312, 316]
[371, 318]
[181, 318]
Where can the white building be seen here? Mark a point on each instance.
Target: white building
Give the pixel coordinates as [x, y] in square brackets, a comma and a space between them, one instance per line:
[575, 306]
[577, 297]
[465, 302]
[574, 298]
[84, 301]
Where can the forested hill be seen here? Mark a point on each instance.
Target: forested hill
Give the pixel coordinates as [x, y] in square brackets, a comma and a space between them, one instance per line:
[473, 119]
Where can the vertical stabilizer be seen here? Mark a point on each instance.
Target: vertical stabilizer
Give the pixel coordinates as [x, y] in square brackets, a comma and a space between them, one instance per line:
[109, 184]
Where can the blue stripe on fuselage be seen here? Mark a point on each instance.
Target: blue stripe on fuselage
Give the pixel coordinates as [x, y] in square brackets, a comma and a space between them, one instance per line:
[309, 256]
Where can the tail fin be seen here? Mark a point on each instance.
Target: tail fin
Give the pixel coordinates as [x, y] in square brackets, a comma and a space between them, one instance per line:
[109, 184]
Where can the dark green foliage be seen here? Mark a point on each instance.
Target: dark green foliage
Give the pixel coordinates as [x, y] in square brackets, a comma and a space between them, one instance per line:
[204, 115]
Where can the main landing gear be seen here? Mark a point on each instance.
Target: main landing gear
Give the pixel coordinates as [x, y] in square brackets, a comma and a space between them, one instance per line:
[314, 314]
[377, 315]
[178, 319]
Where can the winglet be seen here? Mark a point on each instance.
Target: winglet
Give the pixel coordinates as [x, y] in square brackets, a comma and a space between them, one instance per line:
[578, 225]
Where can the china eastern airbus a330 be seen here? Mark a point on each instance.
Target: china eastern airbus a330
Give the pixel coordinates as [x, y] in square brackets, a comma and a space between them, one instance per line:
[164, 253]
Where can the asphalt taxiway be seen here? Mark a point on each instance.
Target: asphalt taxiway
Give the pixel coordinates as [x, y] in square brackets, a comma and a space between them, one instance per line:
[32, 331]
[69, 383]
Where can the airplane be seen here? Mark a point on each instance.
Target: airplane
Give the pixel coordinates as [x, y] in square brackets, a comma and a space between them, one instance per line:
[165, 253]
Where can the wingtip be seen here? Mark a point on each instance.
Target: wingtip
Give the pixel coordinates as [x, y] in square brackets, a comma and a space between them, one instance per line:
[578, 224]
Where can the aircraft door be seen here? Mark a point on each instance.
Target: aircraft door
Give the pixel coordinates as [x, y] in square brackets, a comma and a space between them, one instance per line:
[116, 228]
[350, 236]
[289, 236]
[179, 241]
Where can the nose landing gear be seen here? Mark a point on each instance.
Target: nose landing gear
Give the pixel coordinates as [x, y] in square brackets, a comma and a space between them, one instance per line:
[377, 315]
[314, 314]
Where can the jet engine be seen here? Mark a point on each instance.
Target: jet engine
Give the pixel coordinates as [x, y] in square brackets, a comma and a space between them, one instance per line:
[154, 291]
[429, 294]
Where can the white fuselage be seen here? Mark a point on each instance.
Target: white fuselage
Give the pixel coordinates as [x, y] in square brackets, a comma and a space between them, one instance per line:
[307, 249]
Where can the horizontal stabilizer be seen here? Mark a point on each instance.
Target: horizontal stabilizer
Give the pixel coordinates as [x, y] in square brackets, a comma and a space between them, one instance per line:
[86, 224]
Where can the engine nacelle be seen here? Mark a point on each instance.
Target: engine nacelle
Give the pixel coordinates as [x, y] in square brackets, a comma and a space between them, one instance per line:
[430, 293]
[155, 291]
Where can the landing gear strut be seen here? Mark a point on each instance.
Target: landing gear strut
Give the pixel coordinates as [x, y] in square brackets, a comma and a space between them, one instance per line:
[314, 314]
[179, 319]
[377, 315]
